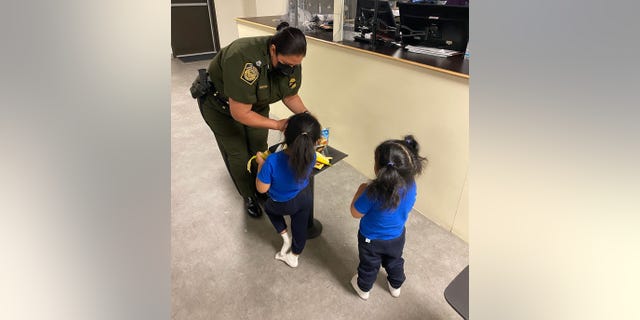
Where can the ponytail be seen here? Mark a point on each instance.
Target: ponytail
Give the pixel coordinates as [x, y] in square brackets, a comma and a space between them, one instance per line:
[387, 188]
[397, 163]
[301, 154]
[301, 134]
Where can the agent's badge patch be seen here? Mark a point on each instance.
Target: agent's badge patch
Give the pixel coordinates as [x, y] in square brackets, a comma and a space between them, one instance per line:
[250, 73]
[292, 83]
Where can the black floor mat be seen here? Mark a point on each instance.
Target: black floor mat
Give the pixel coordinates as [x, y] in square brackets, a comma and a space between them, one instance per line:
[200, 57]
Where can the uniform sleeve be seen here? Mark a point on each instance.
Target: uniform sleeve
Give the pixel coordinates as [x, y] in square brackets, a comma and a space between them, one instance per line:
[266, 172]
[363, 204]
[240, 78]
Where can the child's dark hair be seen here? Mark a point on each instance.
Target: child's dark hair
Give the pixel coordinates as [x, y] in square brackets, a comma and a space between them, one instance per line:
[397, 163]
[289, 40]
[301, 135]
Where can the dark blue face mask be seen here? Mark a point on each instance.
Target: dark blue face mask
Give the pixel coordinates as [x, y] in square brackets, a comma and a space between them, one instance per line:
[285, 69]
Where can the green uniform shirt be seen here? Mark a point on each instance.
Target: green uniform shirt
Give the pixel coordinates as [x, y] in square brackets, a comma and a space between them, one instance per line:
[242, 71]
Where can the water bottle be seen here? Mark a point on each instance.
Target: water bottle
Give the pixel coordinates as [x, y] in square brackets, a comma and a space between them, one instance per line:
[466, 52]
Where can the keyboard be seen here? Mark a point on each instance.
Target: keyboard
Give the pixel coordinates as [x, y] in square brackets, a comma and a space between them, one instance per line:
[432, 51]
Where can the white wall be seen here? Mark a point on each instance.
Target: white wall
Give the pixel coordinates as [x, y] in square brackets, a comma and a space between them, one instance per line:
[250, 8]
[228, 10]
[271, 7]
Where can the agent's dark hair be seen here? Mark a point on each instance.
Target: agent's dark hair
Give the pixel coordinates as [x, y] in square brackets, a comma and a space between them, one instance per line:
[289, 40]
[301, 135]
[397, 163]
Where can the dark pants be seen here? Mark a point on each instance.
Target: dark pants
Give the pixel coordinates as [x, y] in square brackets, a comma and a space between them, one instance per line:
[237, 142]
[387, 253]
[299, 208]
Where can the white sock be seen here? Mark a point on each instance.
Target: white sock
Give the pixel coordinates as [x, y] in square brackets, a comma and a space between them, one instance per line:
[286, 243]
[395, 292]
[289, 258]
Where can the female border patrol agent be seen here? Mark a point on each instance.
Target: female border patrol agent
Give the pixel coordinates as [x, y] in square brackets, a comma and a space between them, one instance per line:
[248, 75]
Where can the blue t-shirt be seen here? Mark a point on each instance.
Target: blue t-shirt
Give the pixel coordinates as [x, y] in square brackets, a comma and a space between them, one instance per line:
[378, 224]
[277, 172]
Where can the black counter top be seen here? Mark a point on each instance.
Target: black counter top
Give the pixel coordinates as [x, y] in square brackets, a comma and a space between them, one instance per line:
[455, 65]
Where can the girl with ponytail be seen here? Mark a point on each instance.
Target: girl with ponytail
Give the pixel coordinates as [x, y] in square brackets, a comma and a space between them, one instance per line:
[285, 176]
[383, 205]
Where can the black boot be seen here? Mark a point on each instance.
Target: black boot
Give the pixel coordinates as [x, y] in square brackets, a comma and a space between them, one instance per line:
[252, 206]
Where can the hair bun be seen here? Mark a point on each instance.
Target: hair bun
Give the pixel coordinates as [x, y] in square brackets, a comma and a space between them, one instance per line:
[411, 143]
[282, 25]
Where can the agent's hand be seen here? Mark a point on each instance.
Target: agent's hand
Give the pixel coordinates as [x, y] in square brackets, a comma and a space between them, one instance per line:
[282, 124]
[259, 158]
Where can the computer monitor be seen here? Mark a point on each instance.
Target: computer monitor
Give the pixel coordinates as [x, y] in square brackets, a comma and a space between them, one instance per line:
[438, 26]
[365, 20]
[442, 2]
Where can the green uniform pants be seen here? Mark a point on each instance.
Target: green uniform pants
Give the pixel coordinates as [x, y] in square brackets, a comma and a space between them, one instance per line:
[237, 142]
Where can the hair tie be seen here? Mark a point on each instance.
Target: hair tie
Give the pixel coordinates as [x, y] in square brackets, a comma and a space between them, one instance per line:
[390, 163]
[304, 133]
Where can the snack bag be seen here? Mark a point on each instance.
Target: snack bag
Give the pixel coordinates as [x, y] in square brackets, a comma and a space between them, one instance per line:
[322, 161]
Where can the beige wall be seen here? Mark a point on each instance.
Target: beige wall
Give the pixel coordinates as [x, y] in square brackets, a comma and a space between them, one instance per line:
[461, 220]
[366, 99]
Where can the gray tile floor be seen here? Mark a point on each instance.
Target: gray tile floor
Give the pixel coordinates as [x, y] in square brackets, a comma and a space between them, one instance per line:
[222, 261]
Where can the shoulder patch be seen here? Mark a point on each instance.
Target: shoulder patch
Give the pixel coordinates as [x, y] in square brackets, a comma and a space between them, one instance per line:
[292, 83]
[250, 73]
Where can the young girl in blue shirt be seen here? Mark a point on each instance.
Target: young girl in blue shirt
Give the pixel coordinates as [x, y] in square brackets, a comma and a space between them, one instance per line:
[383, 206]
[285, 175]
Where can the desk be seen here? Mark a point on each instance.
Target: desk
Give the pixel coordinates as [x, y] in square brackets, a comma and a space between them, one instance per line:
[457, 293]
[456, 65]
[314, 228]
